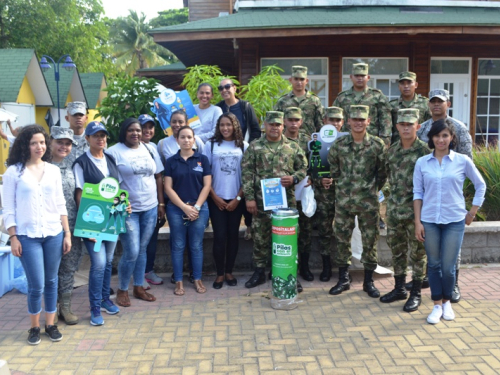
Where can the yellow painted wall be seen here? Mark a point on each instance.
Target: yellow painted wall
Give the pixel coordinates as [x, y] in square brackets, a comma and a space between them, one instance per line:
[4, 154]
[40, 113]
[26, 95]
[92, 113]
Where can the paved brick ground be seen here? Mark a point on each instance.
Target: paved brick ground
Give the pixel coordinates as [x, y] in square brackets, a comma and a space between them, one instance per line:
[232, 331]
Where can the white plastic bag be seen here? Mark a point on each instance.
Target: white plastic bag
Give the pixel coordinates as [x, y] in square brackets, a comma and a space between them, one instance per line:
[308, 201]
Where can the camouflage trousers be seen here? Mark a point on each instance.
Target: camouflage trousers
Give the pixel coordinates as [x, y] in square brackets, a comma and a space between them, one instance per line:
[368, 225]
[69, 265]
[401, 241]
[262, 238]
[325, 213]
[305, 231]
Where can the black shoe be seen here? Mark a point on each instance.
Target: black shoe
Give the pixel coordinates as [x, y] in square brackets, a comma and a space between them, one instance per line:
[455, 294]
[344, 282]
[191, 277]
[398, 293]
[218, 285]
[368, 285]
[270, 275]
[299, 287]
[258, 278]
[425, 284]
[111, 291]
[34, 336]
[53, 333]
[381, 224]
[304, 270]
[232, 282]
[326, 274]
[172, 280]
[415, 297]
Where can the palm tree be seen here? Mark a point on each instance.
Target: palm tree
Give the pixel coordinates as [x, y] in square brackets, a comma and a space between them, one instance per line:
[133, 47]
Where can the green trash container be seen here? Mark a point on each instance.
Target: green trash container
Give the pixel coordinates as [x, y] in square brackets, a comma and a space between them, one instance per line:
[284, 258]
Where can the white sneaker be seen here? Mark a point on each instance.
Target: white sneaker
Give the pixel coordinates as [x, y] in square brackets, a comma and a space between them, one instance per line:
[435, 315]
[448, 313]
[145, 285]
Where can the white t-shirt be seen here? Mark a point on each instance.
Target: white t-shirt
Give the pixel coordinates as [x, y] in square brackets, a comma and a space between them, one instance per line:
[168, 147]
[101, 164]
[137, 169]
[226, 167]
[208, 118]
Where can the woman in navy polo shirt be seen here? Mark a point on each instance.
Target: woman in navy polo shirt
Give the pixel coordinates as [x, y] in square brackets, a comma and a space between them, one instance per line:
[188, 179]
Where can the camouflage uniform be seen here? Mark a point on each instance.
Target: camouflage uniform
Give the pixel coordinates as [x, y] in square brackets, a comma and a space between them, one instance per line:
[77, 150]
[261, 161]
[400, 164]
[325, 213]
[419, 102]
[359, 172]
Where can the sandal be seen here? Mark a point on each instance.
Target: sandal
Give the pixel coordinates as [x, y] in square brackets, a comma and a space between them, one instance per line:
[122, 298]
[199, 287]
[179, 289]
[140, 293]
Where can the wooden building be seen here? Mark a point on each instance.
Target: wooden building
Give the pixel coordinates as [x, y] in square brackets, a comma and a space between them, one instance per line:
[449, 44]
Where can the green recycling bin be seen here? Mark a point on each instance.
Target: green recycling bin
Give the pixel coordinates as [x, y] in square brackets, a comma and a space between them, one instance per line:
[284, 258]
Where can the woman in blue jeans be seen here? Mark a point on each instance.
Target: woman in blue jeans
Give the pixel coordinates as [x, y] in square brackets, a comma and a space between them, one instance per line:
[440, 214]
[91, 167]
[37, 221]
[140, 168]
[188, 179]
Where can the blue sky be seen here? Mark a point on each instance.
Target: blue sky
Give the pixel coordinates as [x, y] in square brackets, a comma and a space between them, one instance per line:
[149, 7]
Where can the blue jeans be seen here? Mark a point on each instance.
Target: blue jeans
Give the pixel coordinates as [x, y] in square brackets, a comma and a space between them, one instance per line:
[180, 229]
[442, 245]
[101, 263]
[40, 258]
[140, 227]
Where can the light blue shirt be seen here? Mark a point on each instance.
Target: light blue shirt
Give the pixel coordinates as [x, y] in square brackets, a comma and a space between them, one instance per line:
[440, 187]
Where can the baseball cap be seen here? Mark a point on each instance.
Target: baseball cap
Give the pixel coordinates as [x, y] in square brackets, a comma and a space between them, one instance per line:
[143, 119]
[58, 132]
[442, 94]
[77, 107]
[94, 127]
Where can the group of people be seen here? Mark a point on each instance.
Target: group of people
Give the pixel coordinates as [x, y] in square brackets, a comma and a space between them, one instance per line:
[215, 172]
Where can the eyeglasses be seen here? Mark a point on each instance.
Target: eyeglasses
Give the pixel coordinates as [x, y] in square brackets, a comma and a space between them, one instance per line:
[225, 87]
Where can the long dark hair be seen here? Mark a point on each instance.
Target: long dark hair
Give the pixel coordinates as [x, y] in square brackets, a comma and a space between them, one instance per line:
[437, 127]
[237, 133]
[21, 153]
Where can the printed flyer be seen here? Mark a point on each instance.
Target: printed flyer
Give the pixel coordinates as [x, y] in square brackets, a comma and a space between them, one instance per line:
[102, 212]
[273, 194]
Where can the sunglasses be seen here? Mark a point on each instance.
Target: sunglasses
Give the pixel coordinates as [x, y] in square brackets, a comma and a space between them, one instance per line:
[225, 87]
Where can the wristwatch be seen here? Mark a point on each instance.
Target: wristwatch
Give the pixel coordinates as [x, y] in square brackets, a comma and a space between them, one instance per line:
[198, 208]
[238, 198]
[295, 180]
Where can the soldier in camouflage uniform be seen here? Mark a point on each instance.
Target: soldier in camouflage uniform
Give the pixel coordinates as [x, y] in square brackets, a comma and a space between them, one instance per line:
[271, 156]
[309, 103]
[293, 122]
[360, 94]
[325, 202]
[357, 165]
[400, 163]
[439, 103]
[59, 136]
[77, 118]
[408, 99]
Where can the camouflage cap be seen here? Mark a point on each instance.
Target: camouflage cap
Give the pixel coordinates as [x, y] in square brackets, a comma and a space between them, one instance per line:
[409, 115]
[299, 71]
[334, 112]
[360, 69]
[274, 117]
[359, 111]
[293, 112]
[410, 76]
[442, 94]
[77, 107]
[58, 132]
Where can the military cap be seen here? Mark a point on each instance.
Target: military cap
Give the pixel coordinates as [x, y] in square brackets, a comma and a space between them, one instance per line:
[359, 111]
[77, 107]
[334, 112]
[410, 76]
[360, 69]
[408, 115]
[58, 132]
[293, 112]
[299, 71]
[274, 117]
[442, 94]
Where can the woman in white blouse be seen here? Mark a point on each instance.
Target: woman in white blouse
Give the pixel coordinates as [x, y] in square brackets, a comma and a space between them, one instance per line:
[37, 221]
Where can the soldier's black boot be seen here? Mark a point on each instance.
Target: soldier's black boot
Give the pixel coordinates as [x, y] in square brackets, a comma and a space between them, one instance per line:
[299, 287]
[368, 285]
[344, 282]
[425, 282]
[455, 294]
[415, 297]
[304, 270]
[326, 274]
[258, 278]
[398, 293]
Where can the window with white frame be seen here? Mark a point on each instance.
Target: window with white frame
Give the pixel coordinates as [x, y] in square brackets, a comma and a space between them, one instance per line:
[317, 73]
[488, 102]
[383, 71]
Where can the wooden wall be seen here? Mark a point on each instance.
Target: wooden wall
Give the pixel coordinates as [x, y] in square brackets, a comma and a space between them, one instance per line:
[203, 9]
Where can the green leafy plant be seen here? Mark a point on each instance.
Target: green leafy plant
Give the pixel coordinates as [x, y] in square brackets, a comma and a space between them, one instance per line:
[199, 74]
[127, 97]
